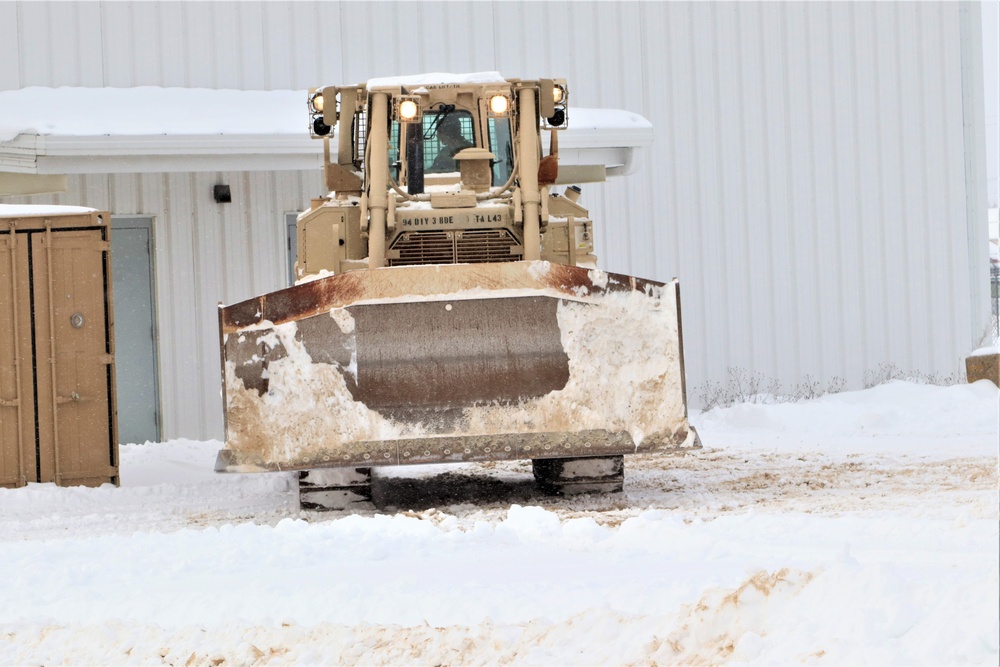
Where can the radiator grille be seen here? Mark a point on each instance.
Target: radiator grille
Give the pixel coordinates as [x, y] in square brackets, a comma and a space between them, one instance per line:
[468, 246]
[430, 247]
[484, 245]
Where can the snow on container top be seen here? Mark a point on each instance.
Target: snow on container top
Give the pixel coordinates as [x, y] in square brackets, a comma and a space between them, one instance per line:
[36, 210]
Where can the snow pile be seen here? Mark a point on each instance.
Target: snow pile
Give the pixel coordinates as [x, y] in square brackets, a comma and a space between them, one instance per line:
[902, 412]
[735, 554]
[790, 588]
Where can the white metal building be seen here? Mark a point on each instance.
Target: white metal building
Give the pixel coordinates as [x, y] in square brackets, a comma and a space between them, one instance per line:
[817, 178]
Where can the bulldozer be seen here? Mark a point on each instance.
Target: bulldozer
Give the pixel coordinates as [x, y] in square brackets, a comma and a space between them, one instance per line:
[448, 307]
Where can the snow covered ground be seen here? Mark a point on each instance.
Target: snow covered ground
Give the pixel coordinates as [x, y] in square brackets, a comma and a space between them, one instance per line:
[857, 528]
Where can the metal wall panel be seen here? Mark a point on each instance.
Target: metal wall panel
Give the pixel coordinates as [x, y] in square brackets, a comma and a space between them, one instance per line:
[60, 44]
[10, 47]
[820, 225]
[807, 183]
[425, 37]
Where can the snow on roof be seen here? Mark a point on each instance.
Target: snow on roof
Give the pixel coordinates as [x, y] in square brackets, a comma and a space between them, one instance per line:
[149, 129]
[435, 78]
[150, 110]
[28, 210]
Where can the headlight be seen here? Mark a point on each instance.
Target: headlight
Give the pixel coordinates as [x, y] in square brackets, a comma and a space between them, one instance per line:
[407, 110]
[499, 105]
[317, 102]
[553, 113]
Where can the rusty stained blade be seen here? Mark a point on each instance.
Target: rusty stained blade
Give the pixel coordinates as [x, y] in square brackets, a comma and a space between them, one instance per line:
[381, 358]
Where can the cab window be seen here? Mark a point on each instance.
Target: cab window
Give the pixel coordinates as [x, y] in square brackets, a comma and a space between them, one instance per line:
[502, 147]
[445, 134]
[394, 163]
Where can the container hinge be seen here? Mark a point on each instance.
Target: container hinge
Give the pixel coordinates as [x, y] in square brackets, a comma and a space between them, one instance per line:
[10, 404]
[106, 359]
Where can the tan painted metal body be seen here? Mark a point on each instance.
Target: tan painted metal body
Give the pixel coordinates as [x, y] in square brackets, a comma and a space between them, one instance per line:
[57, 381]
[449, 307]
[983, 367]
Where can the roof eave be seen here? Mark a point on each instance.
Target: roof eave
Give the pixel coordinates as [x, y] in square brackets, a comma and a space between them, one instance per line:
[54, 154]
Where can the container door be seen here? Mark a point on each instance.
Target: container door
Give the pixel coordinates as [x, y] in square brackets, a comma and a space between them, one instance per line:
[74, 365]
[17, 416]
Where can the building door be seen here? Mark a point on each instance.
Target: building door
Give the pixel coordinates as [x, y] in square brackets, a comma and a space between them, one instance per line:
[57, 408]
[135, 330]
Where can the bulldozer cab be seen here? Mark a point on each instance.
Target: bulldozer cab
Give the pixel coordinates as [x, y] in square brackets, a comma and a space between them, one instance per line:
[431, 170]
[430, 122]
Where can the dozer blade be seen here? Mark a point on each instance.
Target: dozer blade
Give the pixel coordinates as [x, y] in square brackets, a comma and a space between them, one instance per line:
[453, 363]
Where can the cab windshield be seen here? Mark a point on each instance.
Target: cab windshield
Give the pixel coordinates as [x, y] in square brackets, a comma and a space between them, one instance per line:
[446, 133]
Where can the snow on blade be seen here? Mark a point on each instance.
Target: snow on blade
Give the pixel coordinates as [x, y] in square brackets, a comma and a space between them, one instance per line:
[624, 371]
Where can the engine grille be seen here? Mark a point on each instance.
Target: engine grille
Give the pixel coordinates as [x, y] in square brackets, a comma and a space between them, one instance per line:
[469, 246]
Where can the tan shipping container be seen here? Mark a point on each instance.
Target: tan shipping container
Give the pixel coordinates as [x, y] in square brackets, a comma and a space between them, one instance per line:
[58, 411]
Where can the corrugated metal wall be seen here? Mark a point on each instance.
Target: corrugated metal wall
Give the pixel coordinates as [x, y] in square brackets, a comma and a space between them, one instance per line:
[808, 182]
